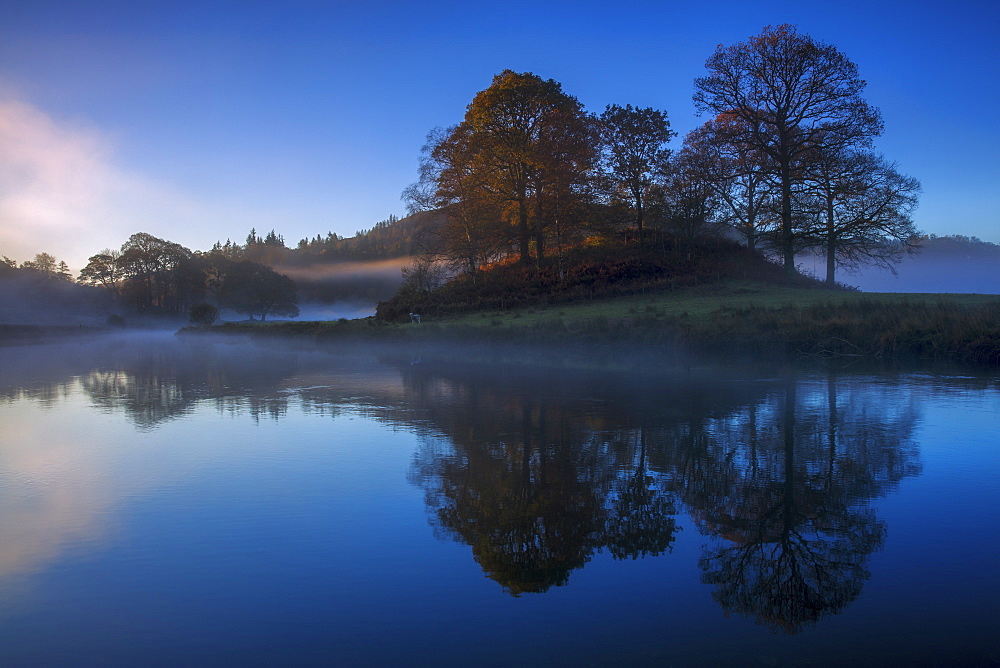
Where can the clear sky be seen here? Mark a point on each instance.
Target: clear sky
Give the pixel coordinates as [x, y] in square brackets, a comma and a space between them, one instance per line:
[195, 121]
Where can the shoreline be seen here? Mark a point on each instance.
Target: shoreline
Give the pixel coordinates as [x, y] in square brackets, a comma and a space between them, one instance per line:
[728, 321]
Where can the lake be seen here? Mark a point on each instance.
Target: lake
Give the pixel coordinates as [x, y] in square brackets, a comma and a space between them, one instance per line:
[168, 500]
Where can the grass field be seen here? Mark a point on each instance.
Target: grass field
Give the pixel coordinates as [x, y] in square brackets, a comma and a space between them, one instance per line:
[700, 306]
[714, 318]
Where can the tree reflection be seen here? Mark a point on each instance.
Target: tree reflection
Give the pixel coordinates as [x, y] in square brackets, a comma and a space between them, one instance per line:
[152, 387]
[525, 500]
[538, 472]
[537, 476]
[793, 518]
[640, 521]
[778, 475]
[150, 378]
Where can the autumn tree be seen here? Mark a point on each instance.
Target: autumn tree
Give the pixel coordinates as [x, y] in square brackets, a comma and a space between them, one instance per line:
[510, 124]
[790, 92]
[634, 151]
[451, 179]
[568, 154]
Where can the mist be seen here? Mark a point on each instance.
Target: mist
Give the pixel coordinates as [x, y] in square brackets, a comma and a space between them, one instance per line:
[932, 275]
[952, 264]
[26, 300]
[354, 286]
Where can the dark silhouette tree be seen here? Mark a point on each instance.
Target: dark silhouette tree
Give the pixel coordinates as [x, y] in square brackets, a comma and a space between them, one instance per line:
[634, 146]
[688, 201]
[860, 209]
[48, 267]
[790, 93]
[738, 175]
[148, 267]
[258, 290]
[203, 314]
[269, 250]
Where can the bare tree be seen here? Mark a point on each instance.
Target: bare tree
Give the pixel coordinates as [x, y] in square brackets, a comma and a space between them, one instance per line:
[738, 175]
[689, 200]
[861, 209]
[790, 92]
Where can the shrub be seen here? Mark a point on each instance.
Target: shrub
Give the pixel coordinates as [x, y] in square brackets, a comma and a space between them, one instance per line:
[203, 314]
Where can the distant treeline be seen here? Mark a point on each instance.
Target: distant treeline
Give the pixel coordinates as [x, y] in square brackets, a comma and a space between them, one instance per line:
[153, 276]
[957, 246]
[389, 238]
[45, 293]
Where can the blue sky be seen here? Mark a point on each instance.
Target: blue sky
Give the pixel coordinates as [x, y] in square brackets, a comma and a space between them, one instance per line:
[196, 121]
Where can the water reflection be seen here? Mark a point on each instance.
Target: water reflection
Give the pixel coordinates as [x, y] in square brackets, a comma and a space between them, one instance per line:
[789, 501]
[49, 500]
[777, 474]
[539, 472]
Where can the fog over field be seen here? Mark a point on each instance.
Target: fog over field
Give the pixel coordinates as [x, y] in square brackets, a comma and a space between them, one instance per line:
[352, 286]
[943, 264]
[931, 275]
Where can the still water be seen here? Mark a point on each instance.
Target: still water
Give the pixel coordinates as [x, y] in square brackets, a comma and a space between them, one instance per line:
[167, 501]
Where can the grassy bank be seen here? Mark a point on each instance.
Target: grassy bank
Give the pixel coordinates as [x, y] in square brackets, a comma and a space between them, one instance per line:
[741, 317]
[28, 334]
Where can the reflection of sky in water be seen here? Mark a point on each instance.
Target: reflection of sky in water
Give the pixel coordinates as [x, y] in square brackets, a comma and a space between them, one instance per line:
[55, 489]
[939, 563]
[65, 469]
[227, 532]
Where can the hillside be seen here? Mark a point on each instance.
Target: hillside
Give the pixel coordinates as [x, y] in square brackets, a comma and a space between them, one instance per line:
[591, 272]
[390, 238]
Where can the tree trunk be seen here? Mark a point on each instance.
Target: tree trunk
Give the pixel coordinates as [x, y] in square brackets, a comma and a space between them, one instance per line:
[523, 231]
[831, 247]
[788, 427]
[638, 213]
[787, 234]
[831, 262]
[539, 241]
